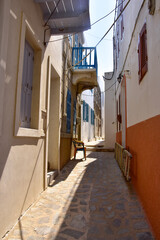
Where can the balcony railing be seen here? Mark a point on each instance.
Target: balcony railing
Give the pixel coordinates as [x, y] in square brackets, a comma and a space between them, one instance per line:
[84, 58]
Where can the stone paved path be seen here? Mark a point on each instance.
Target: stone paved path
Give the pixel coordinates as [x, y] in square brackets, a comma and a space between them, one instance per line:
[89, 200]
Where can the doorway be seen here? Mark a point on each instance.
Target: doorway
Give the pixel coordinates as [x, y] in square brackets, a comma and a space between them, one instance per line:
[52, 157]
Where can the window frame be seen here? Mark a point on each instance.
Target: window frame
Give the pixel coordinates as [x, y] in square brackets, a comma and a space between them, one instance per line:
[27, 33]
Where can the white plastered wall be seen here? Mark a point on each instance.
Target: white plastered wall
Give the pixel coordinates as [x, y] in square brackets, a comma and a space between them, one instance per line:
[87, 129]
[110, 116]
[142, 99]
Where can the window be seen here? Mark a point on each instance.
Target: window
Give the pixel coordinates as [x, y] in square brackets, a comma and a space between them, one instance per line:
[26, 92]
[68, 111]
[92, 116]
[119, 119]
[85, 112]
[74, 117]
[27, 116]
[142, 53]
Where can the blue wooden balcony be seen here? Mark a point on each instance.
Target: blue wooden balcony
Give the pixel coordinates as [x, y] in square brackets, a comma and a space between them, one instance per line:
[84, 65]
[79, 59]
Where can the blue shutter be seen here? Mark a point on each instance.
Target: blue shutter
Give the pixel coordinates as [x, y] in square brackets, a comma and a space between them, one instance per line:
[68, 111]
[27, 79]
[91, 116]
[84, 117]
[74, 117]
[87, 112]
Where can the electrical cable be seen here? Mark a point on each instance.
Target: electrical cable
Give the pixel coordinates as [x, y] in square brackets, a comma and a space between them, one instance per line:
[94, 36]
[107, 14]
[109, 78]
[113, 23]
[101, 41]
[60, 39]
[135, 24]
[101, 92]
[52, 13]
[102, 37]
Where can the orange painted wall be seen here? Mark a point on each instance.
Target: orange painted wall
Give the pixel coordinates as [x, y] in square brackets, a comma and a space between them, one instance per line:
[119, 137]
[143, 140]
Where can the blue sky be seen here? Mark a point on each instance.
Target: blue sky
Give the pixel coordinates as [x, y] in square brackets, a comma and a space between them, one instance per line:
[98, 9]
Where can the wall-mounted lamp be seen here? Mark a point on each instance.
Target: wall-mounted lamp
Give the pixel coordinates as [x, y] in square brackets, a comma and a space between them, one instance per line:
[119, 78]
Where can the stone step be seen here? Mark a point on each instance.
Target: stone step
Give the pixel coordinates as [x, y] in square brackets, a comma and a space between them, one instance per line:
[99, 149]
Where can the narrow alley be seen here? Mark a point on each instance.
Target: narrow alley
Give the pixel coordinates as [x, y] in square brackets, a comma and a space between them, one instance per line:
[88, 200]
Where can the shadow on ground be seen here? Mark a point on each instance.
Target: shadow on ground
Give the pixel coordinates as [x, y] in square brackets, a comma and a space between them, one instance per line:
[103, 206]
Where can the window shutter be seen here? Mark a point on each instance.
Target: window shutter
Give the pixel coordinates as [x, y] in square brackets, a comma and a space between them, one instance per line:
[74, 114]
[87, 112]
[24, 90]
[142, 53]
[74, 117]
[68, 111]
[144, 50]
[29, 85]
[91, 116]
[84, 118]
[27, 79]
[139, 57]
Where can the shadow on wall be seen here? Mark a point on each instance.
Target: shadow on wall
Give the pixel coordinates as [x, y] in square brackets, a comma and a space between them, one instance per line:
[6, 148]
[23, 206]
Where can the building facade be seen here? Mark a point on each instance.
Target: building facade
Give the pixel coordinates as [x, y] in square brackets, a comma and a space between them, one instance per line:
[38, 94]
[110, 111]
[136, 61]
[97, 113]
[87, 119]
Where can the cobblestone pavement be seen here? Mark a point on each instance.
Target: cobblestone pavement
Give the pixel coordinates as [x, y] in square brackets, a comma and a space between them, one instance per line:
[89, 200]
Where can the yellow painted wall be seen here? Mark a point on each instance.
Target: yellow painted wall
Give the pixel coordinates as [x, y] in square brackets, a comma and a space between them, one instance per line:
[22, 161]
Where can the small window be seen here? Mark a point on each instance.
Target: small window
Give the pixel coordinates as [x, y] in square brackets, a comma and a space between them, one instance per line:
[142, 53]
